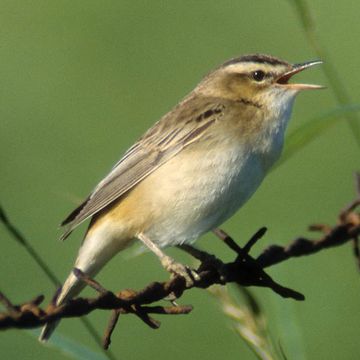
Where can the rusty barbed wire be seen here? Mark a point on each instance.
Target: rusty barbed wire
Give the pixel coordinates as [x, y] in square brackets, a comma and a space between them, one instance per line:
[244, 270]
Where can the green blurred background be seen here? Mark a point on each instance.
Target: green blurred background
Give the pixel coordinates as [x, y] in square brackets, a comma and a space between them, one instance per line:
[81, 80]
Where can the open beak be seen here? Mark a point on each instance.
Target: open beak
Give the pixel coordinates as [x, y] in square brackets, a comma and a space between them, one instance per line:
[296, 68]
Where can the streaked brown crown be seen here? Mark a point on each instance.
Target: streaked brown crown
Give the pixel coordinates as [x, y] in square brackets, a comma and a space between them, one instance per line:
[256, 58]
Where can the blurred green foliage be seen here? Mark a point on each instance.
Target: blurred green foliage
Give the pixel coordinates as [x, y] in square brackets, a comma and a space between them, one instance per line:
[81, 80]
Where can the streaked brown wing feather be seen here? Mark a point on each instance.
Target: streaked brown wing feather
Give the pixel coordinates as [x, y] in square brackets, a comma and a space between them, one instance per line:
[165, 139]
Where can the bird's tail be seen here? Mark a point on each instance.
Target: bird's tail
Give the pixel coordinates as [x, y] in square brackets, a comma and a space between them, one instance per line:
[103, 240]
[99, 246]
[71, 288]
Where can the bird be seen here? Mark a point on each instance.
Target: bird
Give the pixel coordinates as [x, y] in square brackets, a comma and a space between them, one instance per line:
[192, 170]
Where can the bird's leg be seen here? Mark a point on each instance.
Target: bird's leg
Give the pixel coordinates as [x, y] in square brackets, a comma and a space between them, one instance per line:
[169, 263]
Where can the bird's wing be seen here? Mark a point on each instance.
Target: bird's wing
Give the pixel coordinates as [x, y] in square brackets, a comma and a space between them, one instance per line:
[176, 130]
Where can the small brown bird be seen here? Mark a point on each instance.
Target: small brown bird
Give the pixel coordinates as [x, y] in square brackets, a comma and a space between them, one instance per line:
[192, 170]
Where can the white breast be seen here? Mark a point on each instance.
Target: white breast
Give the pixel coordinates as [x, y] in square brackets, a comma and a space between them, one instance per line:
[200, 191]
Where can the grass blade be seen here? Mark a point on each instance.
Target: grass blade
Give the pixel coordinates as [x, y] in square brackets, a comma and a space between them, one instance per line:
[306, 133]
[69, 347]
[343, 97]
[17, 235]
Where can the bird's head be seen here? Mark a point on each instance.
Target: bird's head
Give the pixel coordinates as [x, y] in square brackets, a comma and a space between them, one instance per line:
[258, 79]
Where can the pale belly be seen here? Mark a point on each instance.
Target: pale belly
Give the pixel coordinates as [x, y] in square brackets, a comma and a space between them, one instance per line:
[194, 194]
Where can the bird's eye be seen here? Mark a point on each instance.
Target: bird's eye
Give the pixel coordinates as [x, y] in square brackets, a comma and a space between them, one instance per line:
[258, 75]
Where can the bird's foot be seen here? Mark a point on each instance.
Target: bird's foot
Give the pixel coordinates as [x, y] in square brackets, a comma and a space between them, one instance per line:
[178, 269]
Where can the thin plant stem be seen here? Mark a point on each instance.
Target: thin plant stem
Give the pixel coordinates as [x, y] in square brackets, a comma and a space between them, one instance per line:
[20, 238]
[306, 19]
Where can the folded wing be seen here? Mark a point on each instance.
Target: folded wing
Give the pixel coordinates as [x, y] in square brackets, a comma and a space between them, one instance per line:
[165, 139]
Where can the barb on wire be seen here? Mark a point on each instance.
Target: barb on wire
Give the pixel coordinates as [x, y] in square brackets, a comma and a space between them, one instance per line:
[347, 229]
